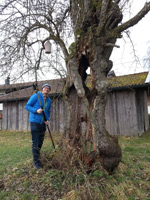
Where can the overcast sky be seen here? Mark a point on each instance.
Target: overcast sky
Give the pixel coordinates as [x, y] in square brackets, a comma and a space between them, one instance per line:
[124, 58]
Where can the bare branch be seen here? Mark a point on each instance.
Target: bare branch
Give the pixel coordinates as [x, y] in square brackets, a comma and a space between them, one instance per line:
[135, 19]
[25, 26]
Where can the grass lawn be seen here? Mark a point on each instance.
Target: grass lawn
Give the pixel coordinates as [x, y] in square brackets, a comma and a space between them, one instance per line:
[15, 149]
[19, 179]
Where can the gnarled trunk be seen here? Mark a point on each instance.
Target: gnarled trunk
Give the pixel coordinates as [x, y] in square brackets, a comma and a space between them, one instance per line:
[92, 21]
[88, 106]
[106, 145]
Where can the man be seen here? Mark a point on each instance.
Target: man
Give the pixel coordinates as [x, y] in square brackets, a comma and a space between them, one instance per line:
[37, 122]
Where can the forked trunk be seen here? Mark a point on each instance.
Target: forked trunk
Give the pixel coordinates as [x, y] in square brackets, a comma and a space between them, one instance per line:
[86, 96]
[86, 111]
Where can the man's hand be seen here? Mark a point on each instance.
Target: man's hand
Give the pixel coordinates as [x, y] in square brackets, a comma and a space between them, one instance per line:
[40, 110]
[47, 122]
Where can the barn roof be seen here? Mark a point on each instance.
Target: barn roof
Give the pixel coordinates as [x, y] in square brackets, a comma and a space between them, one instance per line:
[130, 81]
[19, 86]
[22, 94]
[116, 83]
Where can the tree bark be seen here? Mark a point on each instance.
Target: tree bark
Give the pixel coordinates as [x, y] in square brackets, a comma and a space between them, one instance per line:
[90, 50]
[96, 28]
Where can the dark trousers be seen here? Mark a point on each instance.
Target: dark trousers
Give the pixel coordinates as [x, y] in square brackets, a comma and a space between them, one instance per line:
[38, 133]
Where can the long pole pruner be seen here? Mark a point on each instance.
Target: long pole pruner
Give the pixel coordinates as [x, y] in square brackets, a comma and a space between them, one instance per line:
[35, 87]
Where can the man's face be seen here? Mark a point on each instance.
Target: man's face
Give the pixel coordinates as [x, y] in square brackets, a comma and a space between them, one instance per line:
[46, 90]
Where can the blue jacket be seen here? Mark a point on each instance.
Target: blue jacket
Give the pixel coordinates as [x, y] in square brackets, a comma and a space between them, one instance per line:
[33, 105]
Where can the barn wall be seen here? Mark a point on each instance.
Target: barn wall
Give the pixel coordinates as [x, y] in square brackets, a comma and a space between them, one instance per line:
[111, 114]
[121, 113]
[146, 115]
[16, 117]
[4, 116]
[57, 118]
[23, 117]
[126, 114]
[142, 110]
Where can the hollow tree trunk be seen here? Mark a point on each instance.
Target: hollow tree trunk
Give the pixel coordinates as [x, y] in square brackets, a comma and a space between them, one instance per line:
[92, 49]
[94, 102]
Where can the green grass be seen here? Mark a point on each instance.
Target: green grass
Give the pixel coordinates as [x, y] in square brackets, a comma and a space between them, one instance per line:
[19, 179]
[15, 149]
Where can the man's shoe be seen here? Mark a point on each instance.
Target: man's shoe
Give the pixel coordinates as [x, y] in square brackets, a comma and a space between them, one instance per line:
[37, 166]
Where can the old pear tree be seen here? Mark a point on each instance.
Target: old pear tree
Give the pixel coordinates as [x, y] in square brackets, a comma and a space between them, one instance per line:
[93, 27]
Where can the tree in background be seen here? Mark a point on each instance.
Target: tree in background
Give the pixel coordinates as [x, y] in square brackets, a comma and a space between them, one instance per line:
[95, 25]
[146, 60]
[25, 27]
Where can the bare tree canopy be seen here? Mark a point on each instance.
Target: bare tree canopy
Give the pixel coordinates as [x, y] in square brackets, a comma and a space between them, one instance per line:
[22, 41]
[93, 26]
[146, 60]
[25, 27]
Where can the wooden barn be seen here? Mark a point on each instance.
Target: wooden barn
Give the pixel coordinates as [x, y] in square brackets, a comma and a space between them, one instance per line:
[15, 117]
[126, 109]
[127, 104]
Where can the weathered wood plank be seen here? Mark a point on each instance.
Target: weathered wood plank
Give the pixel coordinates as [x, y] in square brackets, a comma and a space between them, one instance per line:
[5, 117]
[126, 114]
[121, 113]
[146, 111]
